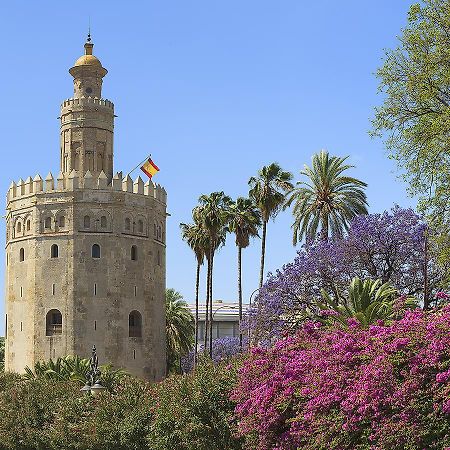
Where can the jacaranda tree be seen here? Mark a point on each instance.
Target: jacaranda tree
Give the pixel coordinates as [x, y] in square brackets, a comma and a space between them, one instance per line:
[389, 247]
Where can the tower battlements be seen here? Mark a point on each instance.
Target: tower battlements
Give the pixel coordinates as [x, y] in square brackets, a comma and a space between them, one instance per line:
[74, 182]
[86, 101]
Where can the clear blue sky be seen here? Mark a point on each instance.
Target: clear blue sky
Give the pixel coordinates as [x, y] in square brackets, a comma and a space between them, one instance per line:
[214, 90]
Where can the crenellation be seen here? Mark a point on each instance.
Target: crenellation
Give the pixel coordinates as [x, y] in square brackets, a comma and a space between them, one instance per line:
[37, 184]
[102, 182]
[138, 187]
[60, 182]
[28, 186]
[117, 182]
[20, 187]
[127, 184]
[87, 101]
[49, 182]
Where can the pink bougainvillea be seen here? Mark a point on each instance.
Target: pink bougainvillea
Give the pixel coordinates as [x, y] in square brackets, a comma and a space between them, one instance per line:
[386, 387]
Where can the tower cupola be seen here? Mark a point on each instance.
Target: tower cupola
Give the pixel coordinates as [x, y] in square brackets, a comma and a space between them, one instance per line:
[88, 73]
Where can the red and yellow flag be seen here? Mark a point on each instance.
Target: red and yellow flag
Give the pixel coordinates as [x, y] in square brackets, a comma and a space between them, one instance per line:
[150, 168]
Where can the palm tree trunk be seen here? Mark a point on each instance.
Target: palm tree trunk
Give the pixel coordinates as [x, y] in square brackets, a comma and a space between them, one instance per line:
[426, 303]
[211, 307]
[240, 293]
[197, 287]
[325, 227]
[263, 253]
[205, 348]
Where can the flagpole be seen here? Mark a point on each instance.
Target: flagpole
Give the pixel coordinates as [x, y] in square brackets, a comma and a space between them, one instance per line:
[139, 165]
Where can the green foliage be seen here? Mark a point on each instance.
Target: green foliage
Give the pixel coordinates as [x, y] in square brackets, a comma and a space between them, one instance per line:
[73, 368]
[244, 220]
[180, 329]
[268, 189]
[367, 302]
[329, 199]
[194, 411]
[415, 116]
[182, 412]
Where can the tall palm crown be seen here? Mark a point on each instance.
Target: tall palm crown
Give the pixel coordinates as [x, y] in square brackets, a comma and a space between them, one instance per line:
[244, 220]
[195, 236]
[179, 325]
[212, 212]
[268, 189]
[328, 200]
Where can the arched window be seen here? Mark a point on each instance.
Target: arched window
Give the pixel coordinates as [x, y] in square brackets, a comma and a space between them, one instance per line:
[135, 324]
[159, 231]
[140, 226]
[134, 253]
[103, 222]
[48, 223]
[62, 221]
[96, 251]
[53, 323]
[154, 229]
[87, 222]
[54, 251]
[22, 255]
[127, 224]
[28, 225]
[19, 227]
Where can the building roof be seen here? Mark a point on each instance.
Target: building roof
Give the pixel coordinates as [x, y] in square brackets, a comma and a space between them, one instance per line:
[222, 311]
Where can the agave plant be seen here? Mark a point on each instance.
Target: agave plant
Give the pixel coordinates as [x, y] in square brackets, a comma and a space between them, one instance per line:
[367, 302]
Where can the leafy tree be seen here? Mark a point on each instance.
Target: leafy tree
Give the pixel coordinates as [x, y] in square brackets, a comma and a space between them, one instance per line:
[244, 220]
[212, 214]
[328, 200]
[368, 301]
[414, 117]
[180, 329]
[268, 190]
[197, 239]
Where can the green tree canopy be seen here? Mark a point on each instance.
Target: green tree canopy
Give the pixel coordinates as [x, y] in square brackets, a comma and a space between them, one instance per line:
[415, 116]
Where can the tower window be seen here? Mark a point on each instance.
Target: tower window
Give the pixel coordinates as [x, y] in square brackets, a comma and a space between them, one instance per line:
[159, 231]
[54, 251]
[135, 291]
[28, 225]
[140, 226]
[135, 324]
[95, 288]
[103, 222]
[22, 254]
[48, 223]
[53, 289]
[154, 229]
[87, 222]
[127, 224]
[19, 227]
[95, 325]
[21, 291]
[159, 258]
[53, 323]
[89, 90]
[96, 251]
[134, 253]
[62, 222]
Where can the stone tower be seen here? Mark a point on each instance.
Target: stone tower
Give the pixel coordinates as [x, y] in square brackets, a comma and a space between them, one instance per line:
[85, 252]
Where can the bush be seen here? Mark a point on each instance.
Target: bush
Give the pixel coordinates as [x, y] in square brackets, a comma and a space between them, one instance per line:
[194, 412]
[385, 387]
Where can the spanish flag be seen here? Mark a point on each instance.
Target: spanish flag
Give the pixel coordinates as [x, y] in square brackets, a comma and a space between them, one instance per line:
[150, 168]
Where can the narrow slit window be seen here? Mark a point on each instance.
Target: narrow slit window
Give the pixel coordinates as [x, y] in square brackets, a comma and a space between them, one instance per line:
[135, 291]
[95, 288]
[21, 291]
[53, 289]
[134, 253]
[22, 254]
[95, 325]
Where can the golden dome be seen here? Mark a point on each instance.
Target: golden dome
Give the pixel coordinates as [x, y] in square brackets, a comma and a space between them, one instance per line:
[88, 60]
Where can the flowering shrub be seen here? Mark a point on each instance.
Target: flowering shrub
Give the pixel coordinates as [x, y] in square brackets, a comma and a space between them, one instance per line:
[382, 387]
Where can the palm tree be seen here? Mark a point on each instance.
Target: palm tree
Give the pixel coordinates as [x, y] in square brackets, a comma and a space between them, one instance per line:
[212, 214]
[367, 301]
[268, 191]
[244, 220]
[180, 329]
[328, 199]
[197, 239]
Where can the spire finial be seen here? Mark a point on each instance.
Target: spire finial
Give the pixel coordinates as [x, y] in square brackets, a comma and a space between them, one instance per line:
[89, 30]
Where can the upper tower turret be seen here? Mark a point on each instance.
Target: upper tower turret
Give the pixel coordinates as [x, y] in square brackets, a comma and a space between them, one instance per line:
[87, 120]
[88, 73]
